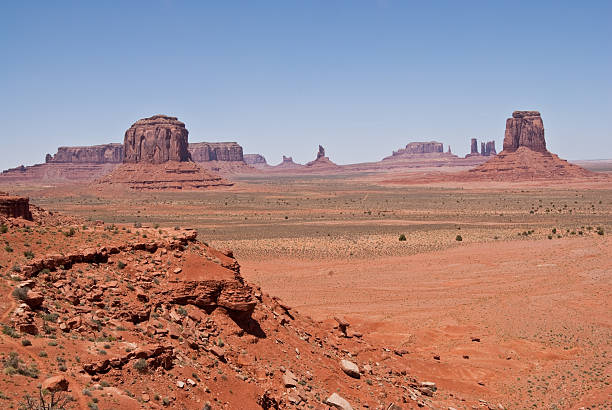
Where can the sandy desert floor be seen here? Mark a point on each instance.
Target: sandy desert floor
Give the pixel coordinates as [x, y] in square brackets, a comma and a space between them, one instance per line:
[517, 312]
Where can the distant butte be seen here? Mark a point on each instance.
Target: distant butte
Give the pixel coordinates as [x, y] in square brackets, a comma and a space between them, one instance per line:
[156, 156]
[525, 155]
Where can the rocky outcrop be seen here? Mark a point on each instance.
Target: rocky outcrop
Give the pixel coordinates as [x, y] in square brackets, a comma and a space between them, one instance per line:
[157, 158]
[255, 160]
[525, 129]
[322, 161]
[288, 163]
[321, 153]
[474, 147]
[15, 207]
[171, 176]
[95, 154]
[156, 140]
[486, 148]
[215, 151]
[418, 148]
[525, 156]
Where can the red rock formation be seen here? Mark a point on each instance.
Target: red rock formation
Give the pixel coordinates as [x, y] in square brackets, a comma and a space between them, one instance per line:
[474, 147]
[216, 151]
[157, 157]
[322, 161]
[15, 207]
[418, 148]
[524, 129]
[490, 148]
[255, 160]
[156, 140]
[167, 176]
[95, 154]
[525, 156]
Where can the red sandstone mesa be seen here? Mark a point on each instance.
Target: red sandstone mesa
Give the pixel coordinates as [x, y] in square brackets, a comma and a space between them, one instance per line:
[95, 154]
[216, 151]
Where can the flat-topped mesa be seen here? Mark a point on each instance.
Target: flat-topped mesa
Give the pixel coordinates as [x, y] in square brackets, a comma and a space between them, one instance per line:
[95, 154]
[15, 207]
[156, 140]
[215, 151]
[525, 129]
[418, 148]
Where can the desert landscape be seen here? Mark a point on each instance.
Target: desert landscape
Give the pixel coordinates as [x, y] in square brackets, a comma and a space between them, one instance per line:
[422, 280]
[375, 205]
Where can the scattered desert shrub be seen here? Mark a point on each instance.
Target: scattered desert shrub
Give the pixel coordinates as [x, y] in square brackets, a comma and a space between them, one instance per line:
[458, 238]
[13, 364]
[26, 342]
[3, 228]
[9, 331]
[141, 365]
[8, 248]
[121, 265]
[402, 238]
[28, 254]
[21, 293]
[69, 232]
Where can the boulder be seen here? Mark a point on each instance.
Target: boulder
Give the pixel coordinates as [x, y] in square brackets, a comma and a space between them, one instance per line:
[350, 368]
[337, 402]
[34, 299]
[55, 384]
[156, 140]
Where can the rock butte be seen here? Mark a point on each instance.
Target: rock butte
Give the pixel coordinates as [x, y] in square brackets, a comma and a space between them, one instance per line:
[322, 161]
[15, 207]
[255, 160]
[156, 157]
[525, 156]
[156, 140]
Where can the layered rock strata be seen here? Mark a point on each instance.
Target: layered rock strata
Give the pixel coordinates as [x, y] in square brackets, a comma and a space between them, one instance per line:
[95, 154]
[525, 129]
[15, 207]
[156, 140]
[216, 151]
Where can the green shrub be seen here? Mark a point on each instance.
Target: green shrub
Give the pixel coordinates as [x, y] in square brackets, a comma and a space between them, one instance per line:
[3, 228]
[26, 342]
[141, 365]
[8, 249]
[28, 254]
[121, 265]
[9, 331]
[69, 232]
[402, 238]
[458, 238]
[21, 293]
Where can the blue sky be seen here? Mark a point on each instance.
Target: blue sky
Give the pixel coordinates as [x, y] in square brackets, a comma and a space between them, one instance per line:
[361, 78]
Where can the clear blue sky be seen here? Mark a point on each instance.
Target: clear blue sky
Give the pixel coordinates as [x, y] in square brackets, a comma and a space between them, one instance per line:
[361, 78]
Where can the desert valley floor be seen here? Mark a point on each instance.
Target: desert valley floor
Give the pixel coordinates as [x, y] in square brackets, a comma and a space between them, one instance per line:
[498, 293]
